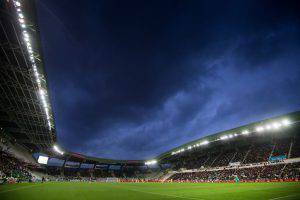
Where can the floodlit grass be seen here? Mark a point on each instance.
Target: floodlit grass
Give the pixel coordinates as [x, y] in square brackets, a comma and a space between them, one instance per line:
[149, 191]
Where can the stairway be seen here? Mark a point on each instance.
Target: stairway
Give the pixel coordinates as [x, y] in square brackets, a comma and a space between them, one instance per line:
[166, 176]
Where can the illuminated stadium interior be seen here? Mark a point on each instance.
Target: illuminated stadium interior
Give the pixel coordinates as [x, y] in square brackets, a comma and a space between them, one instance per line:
[263, 151]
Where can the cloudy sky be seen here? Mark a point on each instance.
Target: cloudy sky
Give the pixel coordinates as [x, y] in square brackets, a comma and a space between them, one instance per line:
[132, 79]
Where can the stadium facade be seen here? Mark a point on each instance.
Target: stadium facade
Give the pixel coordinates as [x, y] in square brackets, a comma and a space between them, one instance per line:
[27, 122]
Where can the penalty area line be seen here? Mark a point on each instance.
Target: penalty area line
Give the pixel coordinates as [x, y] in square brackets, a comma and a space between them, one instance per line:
[166, 195]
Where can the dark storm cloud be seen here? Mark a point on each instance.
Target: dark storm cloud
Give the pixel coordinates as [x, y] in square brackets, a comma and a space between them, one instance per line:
[131, 79]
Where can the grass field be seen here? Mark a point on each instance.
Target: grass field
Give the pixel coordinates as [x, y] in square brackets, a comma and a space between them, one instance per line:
[149, 191]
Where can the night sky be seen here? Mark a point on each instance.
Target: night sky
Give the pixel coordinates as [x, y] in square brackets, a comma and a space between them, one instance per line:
[132, 79]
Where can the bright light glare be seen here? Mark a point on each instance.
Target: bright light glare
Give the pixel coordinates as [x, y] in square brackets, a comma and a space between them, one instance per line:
[17, 3]
[26, 38]
[224, 137]
[276, 125]
[205, 142]
[259, 129]
[58, 150]
[273, 125]
[268, 127]
[151, 162]
[286, 122]
[178, 151]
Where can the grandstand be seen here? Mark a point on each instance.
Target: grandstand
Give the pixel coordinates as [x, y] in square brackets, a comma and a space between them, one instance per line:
[263, 151]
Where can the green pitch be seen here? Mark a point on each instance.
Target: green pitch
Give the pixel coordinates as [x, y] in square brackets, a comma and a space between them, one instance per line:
[150, 191]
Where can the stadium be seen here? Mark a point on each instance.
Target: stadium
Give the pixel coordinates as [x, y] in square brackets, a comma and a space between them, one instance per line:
[260, 160]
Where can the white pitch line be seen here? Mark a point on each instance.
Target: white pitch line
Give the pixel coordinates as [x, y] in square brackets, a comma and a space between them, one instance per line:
[283, 197]
[19, 188]
[167, 195]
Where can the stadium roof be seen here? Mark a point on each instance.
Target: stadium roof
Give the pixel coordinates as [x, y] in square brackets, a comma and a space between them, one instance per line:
[89, 159]
[25, 111]
[275, 123]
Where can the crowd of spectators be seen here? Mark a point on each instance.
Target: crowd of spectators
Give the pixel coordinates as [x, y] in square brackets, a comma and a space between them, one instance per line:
[259, 153]
[282, 147]
[12, 169]
[250, 158]
[295, 147]
[246, 150]
[223, 159]
[77, 173]
[261, 173]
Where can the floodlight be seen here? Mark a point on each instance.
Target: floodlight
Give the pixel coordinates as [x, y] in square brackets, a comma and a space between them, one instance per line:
[286, 122]
[36, 74]
[259, 129]
[58, 150]
[279, 125]
[43, 99]
[276, 125]
[245, 132]
[25, 34]
[17, 3]
[42, 92]
[26, 39]
[224, 137]
[205, 142]
[268, 127]
[151, 162]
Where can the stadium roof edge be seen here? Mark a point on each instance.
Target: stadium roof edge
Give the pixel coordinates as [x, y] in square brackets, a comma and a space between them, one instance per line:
[76, 157]
[31, 123]
[293, 116]
[29, 9]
